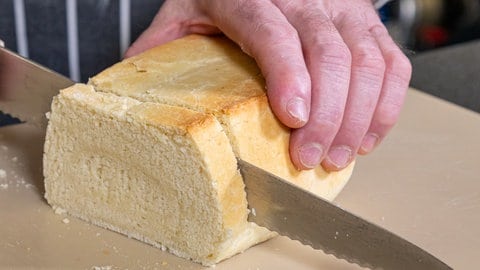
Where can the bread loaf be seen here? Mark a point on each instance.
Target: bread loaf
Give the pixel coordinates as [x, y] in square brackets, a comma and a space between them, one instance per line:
[148, 148]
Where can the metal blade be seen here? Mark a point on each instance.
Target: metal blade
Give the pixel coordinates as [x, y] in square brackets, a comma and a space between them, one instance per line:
[26, 88]
[303, 216]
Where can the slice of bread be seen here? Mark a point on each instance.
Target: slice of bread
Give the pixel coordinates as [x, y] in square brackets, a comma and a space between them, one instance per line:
[149, 149]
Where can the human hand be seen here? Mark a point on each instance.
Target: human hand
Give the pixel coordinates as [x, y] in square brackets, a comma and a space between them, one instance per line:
[332, 71]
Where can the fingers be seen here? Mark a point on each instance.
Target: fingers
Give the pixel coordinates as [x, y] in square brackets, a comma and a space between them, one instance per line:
[395, 84]
[348, 60]
[328, 60]
[367, 73]
[263, 32]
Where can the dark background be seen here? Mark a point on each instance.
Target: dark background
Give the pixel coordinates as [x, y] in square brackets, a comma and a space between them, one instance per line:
[98, 31]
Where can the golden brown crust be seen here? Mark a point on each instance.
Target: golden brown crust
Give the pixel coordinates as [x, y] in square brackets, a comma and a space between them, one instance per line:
[205, 74]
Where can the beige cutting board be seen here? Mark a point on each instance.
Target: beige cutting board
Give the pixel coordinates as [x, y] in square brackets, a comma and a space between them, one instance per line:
[423, 183]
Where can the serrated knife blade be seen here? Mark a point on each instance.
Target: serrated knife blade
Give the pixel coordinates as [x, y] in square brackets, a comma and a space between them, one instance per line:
[300, 215]
[26, 88]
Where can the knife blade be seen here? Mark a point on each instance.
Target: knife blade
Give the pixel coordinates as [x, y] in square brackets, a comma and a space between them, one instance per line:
[26, 88]
[300, 215]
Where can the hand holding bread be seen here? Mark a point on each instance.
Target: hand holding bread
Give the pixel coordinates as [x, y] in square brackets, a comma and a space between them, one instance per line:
[332, 71]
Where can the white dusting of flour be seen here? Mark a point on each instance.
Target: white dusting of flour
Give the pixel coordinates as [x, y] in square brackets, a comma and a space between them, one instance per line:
[106, 267]
[59, 210]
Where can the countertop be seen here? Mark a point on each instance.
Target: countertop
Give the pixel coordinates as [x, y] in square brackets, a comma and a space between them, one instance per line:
[422, 183]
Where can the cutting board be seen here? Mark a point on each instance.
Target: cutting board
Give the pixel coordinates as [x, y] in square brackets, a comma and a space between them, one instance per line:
[423, 183]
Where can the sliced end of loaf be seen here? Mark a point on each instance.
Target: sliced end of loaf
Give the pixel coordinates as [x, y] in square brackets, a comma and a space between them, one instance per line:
[164, 175]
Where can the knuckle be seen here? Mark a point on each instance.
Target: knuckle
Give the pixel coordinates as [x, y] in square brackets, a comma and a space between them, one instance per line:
[387, 116]
[358, 123]
[370, 63]
[328, 122]
[369, 58]
[399, 66]
[317, 22]
[334, 48]
[388, 110]
[273, 27]
[275, 36]
[332, 55]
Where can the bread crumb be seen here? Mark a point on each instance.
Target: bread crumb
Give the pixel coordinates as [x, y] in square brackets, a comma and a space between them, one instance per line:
[4, 147]
[97, 234]
[4, 186]
[106, 267]
[47, 115]
[66, 220]
[3, 173]
[164, 263]
[254, 212]
[59, 210]
[15, 159]
[29, 186]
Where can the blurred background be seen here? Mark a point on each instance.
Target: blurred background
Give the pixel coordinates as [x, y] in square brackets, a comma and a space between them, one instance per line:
[81, 38]
[421, 25]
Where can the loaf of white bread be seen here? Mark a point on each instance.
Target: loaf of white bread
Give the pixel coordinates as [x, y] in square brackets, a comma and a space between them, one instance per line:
[148, 148]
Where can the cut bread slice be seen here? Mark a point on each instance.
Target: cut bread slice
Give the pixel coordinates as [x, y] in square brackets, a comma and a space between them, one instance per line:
[154, 141]
[164, 175]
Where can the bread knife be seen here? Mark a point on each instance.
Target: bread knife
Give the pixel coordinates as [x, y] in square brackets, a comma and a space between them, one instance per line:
[300, 215]
[27, 89]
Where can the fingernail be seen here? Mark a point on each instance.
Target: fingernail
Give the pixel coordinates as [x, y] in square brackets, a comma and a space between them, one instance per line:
[340, 156]
[310, 155]
[369, 142]
[297, 109]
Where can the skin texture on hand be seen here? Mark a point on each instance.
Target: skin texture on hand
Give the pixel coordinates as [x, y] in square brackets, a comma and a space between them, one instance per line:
[333, 73]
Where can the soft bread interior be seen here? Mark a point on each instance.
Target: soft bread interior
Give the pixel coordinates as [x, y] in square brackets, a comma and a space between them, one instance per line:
[164, 175]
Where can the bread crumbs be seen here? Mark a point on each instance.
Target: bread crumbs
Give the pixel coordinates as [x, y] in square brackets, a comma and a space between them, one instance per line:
[106, 267]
